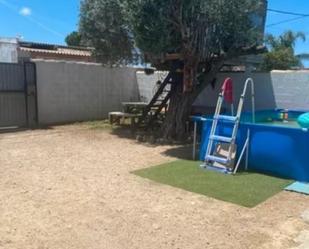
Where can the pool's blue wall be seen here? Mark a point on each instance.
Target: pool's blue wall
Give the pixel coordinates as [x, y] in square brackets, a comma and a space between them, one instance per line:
[275, 150]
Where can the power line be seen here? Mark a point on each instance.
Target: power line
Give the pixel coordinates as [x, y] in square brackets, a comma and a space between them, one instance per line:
[299, 16]
[286, 21]
[288, 12]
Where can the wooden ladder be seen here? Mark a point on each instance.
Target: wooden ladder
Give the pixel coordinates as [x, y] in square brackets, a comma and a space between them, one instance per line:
[157, 103]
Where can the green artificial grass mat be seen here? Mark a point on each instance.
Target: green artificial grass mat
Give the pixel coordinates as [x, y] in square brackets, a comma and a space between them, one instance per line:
[245, 189]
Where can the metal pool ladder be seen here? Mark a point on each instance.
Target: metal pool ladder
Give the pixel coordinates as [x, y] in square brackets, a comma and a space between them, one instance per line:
[221, 150]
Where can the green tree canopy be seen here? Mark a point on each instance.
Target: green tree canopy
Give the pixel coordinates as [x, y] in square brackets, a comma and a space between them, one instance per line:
[103, 25]
[73, 39]
[282, 51]
[201, 29]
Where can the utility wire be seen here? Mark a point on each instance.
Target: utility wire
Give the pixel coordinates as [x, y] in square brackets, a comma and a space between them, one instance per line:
[287, 12]
[286, 21]
[299, 16]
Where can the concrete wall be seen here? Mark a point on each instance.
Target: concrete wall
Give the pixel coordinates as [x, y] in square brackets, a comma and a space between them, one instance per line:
[70, 92]
[291, 89]
[278, 89]
[264, 93]
[8, 50]
[147, 84]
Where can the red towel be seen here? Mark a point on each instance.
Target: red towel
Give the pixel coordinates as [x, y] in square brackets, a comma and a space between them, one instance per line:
[228, 90]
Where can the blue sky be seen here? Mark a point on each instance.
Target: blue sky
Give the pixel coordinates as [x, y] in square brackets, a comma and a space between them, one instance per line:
[298, 6]
[51, 20]
[38, 20]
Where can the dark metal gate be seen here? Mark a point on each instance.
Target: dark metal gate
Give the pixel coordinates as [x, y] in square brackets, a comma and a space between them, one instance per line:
[18, 105]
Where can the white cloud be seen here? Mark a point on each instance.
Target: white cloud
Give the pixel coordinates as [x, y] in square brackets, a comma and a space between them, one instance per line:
[25, 11]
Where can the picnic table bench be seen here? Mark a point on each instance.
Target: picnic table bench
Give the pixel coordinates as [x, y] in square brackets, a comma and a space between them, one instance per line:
[134, 107]
[120, 117]
[131, 110]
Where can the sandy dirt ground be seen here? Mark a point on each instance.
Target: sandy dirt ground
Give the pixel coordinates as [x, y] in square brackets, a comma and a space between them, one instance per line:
[71, 187]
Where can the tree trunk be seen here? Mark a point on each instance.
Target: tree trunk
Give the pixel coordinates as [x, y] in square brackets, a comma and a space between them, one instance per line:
[174, 126]
[178, 112]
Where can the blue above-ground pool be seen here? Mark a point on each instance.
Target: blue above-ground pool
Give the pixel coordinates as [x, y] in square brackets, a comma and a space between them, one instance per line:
[278, 145]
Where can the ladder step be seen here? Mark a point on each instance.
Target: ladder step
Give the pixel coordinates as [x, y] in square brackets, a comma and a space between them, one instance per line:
[227, 118]
[217, 169]
[217, 159]
[221, 139]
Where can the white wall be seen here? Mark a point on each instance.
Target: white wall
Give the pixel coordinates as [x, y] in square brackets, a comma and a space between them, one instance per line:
[70, 92]
[291, 89]
[147, 84]
[8, 50]
[278, 89]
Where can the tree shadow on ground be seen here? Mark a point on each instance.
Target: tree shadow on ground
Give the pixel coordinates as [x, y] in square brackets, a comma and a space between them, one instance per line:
[181, 152]
[124, 132]
[139, 136]
[147, 138]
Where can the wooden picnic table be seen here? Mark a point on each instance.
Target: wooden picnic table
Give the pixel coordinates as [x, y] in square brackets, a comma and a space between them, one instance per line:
[134, 107]
[131, 110]
[120, 117]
